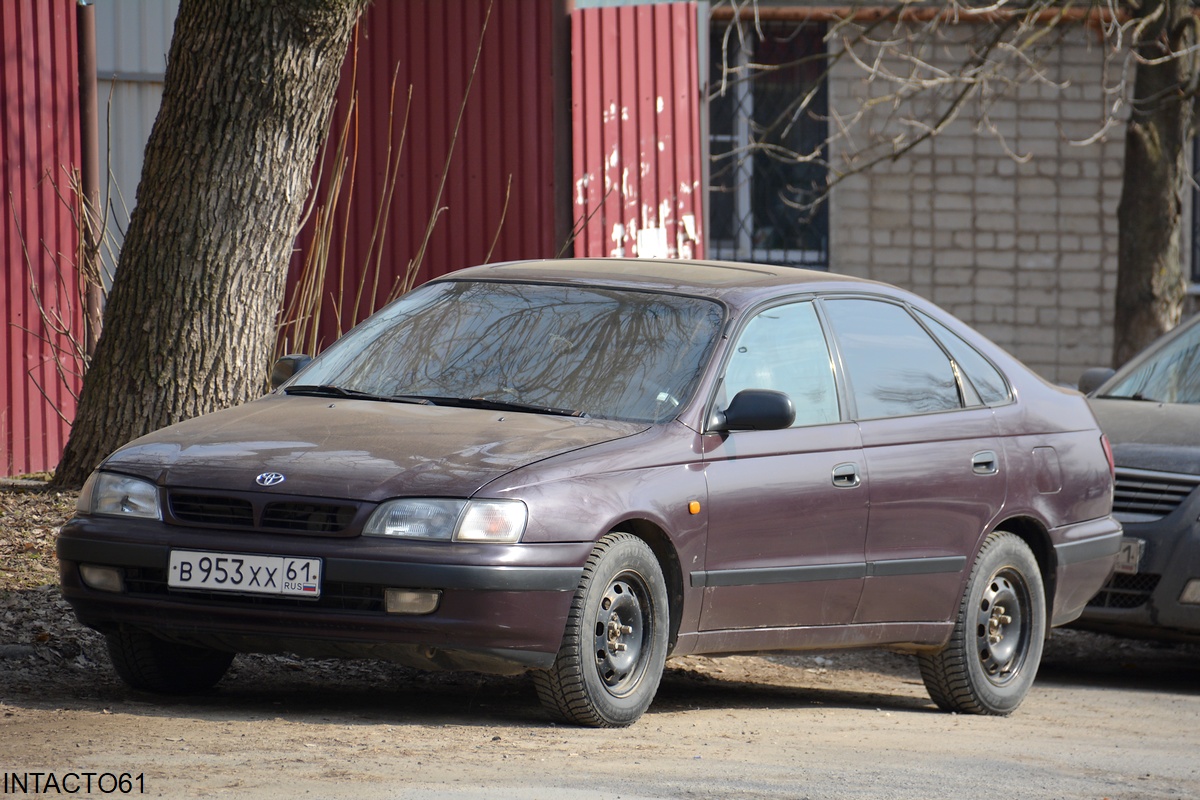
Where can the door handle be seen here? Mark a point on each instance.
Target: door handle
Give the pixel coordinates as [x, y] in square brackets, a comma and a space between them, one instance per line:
[984, 463]
[845, 476]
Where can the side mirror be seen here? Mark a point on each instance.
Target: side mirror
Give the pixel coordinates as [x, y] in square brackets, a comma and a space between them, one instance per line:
[755, 410]
[1091, 379]
[286, 367]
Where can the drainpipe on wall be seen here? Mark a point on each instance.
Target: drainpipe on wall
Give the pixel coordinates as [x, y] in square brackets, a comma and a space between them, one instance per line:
[89, 175]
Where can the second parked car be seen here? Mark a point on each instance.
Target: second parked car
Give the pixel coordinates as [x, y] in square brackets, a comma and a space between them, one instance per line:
[583, 467]
[1151, 411]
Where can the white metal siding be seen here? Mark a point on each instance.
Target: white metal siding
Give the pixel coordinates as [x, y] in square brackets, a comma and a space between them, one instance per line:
[132, 39]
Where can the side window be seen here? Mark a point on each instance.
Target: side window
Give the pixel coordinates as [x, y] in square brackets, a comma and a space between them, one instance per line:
[894, 368]
[987, 380]
[784, 348]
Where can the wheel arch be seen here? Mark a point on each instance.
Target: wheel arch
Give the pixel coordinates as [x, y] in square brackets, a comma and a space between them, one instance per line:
[1035, 535]
[668, 560]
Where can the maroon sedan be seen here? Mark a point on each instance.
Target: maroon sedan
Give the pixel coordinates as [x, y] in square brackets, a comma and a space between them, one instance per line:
[581, 468]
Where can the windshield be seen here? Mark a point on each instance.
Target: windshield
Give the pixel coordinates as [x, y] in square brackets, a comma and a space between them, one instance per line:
[555, 349]
[1171, 375]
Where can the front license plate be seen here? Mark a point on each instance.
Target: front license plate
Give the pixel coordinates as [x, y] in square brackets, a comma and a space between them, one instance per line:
[227, 572]
[1129, 556]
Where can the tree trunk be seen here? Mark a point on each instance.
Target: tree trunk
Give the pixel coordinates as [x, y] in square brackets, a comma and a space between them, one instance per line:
[190, 321]
[1151, 285]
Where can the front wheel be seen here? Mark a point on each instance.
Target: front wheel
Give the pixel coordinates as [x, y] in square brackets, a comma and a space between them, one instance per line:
[993, 655]
[150, 664]
[615, 643]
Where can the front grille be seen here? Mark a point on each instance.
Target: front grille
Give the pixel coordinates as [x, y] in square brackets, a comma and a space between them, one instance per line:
[267, 512]
[307, 517]
[1151, 495]
[1126, 591]
[335, 595]
[225, 512]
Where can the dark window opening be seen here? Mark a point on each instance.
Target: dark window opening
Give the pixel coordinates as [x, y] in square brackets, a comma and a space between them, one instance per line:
[768, 150]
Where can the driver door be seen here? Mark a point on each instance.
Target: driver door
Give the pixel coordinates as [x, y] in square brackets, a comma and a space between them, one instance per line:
[787, 508]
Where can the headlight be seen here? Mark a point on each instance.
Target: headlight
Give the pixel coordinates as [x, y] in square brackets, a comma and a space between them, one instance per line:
[501, 521]
[119, 496]
[415, 519]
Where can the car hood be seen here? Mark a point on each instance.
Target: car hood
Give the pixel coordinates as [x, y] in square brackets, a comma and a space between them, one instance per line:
[1155, 436]
[356, 449]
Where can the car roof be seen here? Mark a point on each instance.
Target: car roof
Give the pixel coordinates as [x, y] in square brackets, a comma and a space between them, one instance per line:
[733, 282]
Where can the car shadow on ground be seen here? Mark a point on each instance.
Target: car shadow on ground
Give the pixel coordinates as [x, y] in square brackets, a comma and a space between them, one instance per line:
[371, 692]
[368, 692]
[1081, 658]
[683, 689]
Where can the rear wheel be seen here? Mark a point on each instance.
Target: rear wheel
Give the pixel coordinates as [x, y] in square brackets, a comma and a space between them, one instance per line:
[150, 664]
[993, 655]
[615, 644]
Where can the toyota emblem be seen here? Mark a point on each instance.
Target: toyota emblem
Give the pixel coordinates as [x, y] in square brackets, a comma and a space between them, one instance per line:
[269, 479]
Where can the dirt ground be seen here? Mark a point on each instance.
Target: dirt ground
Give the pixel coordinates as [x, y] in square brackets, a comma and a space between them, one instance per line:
[1108, 718]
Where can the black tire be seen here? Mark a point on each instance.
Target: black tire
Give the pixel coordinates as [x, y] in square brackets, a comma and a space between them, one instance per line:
[150, 664]
[615, 643]
[993, 655]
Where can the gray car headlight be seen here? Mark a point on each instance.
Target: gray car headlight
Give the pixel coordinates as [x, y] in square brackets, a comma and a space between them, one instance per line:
[501, 521]
[119, 496]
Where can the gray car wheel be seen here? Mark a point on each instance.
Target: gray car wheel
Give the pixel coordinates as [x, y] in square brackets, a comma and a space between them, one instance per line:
[150, 664]
[615, 643]
[993, 655]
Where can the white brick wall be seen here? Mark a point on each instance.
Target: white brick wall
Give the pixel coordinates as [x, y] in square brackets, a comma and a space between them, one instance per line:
[1025, 252]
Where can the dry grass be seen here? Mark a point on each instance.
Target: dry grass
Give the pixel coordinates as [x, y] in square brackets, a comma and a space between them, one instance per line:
[30, 516]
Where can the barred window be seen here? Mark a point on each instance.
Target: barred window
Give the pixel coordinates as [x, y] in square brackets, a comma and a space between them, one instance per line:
[768, 108]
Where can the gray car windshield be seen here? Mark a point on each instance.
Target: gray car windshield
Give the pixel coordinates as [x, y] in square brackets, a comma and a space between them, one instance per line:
[578, 350]
[1172, 375]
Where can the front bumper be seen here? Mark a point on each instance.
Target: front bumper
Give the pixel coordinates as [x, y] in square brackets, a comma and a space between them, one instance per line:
[1147, 604]
[503, 608]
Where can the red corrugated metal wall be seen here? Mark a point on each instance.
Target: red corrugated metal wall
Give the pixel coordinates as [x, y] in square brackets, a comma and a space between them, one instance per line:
[636, 117]
[507, 132]
[39, 144]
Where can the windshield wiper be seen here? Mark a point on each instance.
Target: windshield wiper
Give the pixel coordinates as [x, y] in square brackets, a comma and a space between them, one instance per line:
[1135, 396]
[502, 405]
[329, 390]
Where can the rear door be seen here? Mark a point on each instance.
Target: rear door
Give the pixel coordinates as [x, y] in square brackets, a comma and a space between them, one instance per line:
[931, 451]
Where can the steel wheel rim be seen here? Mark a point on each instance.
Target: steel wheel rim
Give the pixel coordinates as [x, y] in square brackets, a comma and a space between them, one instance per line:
[621, 637]
[1003, 627]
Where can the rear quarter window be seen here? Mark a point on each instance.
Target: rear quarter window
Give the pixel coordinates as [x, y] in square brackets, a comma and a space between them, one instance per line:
[989, 384]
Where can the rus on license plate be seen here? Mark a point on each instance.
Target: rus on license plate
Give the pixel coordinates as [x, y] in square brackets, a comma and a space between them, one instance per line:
[228, 572]
[1129, 556]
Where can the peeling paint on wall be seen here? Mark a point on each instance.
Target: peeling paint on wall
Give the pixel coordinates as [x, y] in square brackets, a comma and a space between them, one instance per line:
[636, 124]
